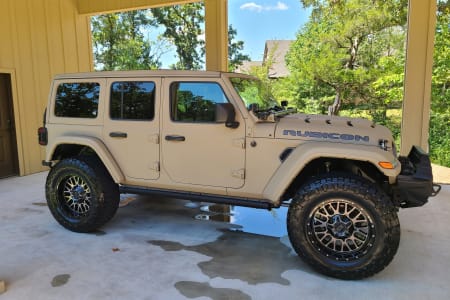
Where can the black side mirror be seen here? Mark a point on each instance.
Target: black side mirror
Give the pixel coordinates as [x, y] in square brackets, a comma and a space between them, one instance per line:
[284, 103]
[254, 107]
[225, 113]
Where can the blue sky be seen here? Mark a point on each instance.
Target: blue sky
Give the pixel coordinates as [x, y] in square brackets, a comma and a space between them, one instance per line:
[260, 20]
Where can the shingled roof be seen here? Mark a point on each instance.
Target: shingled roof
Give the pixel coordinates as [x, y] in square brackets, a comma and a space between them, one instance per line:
[275, 50]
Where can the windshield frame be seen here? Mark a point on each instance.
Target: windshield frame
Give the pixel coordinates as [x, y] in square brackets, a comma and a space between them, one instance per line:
[268, 109]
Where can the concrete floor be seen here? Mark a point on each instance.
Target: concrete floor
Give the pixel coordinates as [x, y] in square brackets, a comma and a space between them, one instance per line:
[169, 249]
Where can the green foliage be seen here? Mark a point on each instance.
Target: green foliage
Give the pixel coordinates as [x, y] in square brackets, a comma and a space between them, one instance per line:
[235, 55]
[397, 13]
[440, 92]
[440, 139]
[348, 55]
[119, 42]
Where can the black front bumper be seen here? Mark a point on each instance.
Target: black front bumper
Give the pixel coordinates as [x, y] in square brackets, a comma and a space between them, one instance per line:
[415, 182]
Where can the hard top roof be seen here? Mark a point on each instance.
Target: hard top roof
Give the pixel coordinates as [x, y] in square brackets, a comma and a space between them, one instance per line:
[142, 73]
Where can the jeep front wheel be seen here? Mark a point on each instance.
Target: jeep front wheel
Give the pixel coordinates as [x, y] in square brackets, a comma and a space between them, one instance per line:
[343, 226]
[81, 194]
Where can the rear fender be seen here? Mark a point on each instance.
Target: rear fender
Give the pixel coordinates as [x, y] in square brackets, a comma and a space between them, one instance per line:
[96, 145]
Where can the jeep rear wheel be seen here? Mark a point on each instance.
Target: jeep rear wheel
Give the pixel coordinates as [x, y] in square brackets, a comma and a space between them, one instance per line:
[343, 226]
[81, 194]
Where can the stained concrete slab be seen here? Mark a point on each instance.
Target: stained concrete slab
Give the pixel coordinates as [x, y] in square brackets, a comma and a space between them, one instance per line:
[156, 248]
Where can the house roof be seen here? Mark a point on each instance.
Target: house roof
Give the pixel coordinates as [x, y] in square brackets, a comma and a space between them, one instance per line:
[276, 51]
[246, 66]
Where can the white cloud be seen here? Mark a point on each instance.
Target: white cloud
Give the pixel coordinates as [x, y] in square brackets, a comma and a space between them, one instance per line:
[252, 6]
[281, 6]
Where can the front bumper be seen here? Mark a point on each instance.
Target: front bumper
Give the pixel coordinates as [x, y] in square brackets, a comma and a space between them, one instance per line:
[415, 183]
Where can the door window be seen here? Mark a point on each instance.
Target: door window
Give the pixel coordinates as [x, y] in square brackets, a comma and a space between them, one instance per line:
[132, 101]
[196, 102]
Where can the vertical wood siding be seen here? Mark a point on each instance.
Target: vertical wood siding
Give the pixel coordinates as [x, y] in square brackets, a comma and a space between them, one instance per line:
[39, 38]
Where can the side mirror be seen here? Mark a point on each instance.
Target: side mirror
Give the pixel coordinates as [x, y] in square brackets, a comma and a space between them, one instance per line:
[253, 107]
[284, 103]
[225, 113]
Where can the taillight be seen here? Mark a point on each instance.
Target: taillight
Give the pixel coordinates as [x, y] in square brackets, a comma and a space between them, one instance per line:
[43, 136]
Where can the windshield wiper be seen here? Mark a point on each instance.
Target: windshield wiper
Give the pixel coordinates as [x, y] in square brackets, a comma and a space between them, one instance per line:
[287, 111]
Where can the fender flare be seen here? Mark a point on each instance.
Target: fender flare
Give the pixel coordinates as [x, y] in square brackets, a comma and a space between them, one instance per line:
[307, 152]
[96, 145]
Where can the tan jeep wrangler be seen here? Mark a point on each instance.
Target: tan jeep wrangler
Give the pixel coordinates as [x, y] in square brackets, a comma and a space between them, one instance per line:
[219, 137]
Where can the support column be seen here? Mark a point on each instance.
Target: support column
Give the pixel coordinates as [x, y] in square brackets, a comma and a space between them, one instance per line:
[216, 35]
[418, 71]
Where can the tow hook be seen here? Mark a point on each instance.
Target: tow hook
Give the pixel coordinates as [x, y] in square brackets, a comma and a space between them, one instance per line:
[436, 189]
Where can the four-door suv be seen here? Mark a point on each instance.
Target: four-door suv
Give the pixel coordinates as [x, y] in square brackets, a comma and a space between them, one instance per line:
[219, 137]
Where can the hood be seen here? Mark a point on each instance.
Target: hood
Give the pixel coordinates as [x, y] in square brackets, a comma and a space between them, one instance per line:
[332, 129]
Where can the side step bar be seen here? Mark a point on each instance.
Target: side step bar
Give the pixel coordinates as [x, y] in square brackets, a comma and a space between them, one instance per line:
[198, 197]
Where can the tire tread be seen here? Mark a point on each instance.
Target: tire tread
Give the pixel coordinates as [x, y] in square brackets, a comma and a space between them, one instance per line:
[104, 208]
[369, 192]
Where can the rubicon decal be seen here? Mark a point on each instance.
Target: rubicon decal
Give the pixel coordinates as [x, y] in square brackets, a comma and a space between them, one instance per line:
[327, 135]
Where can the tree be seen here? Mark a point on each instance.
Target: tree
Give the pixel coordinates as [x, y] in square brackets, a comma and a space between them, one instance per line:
[338, 56]
[235, 55]
[120, 44]
[183, 28]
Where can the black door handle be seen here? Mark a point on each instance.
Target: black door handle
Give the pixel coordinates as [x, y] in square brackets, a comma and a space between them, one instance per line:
[118, 134]
[175, 138]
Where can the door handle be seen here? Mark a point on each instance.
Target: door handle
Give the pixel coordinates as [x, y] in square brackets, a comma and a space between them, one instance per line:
[118, 134]
[175, 138]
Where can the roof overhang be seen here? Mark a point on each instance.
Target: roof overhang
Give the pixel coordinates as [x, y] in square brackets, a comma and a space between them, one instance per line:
[96, 7]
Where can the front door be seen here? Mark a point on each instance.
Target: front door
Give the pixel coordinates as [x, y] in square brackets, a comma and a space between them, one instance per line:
[197, 148]
[8, 145]
[131, 127]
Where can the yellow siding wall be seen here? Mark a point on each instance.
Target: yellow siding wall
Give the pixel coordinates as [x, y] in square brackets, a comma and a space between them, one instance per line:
[39, 38]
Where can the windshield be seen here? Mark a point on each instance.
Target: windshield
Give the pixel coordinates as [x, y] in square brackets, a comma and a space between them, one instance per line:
[252, 91]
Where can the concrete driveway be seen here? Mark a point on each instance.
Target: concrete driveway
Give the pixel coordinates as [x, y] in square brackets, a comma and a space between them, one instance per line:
[172, 249]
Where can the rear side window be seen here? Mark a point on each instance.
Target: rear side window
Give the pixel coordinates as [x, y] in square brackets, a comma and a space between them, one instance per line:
[132, 100]
[77, 100]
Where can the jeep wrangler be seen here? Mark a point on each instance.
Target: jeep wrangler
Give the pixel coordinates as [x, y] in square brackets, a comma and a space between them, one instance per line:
[220, 137]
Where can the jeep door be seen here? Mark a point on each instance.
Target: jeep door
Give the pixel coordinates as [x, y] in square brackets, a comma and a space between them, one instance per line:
[197, 146]
[131, 127]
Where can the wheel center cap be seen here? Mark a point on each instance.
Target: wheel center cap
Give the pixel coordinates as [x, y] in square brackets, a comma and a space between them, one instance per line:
[340, 226]
[78, 194]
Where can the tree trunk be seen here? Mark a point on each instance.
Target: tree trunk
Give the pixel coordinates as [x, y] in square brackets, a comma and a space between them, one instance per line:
[333, 110]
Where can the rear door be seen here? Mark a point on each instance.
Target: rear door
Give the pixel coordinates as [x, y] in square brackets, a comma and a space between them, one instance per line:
[197, 148]
[131, 126]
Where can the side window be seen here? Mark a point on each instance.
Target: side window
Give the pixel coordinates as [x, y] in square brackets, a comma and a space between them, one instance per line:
[196, 101]
[132, 100]
[77, 100]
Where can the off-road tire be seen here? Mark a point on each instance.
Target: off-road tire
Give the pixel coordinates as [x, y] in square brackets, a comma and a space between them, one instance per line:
[343, 226]
[81, 194]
